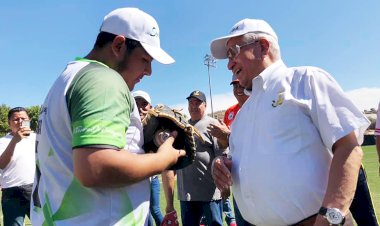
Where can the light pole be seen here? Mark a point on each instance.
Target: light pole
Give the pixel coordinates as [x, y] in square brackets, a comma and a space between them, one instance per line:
[210, 61]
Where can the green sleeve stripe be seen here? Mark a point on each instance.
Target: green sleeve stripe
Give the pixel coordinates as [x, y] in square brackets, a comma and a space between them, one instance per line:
[47, 213]
[90, 131]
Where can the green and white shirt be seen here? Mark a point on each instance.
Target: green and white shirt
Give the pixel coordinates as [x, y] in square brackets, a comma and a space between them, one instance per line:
[88, 105]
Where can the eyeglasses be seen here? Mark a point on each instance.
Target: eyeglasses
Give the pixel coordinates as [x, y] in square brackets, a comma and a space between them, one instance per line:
[234, 50]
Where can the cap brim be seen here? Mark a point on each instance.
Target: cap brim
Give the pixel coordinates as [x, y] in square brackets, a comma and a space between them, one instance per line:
[218, 46]
[198, 98]
[158, 54]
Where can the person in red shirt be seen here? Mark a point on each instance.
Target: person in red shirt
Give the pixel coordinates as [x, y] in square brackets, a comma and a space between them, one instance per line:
[240, 96]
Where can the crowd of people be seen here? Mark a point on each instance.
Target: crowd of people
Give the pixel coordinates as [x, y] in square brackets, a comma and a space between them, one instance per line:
[288, 153]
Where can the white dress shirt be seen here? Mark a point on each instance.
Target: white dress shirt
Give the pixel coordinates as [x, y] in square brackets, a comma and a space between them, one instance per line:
[281, 143]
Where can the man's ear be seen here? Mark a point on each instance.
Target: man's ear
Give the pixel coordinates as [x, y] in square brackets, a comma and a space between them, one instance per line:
[264, 44]
[261, 49]
[118, 46]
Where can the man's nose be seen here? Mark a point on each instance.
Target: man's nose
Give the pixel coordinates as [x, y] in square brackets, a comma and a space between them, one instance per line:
[148, 69]
[230, 64]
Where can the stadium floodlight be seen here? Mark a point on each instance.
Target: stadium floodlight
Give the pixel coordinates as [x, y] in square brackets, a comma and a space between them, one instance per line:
[210, 61]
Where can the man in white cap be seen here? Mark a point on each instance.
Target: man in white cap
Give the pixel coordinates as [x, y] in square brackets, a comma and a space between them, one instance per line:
[91, 168]
[143, 102]
[295, 143]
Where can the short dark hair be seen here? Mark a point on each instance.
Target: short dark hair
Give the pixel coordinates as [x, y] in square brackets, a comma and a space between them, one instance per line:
[16, 109]
[105, 37]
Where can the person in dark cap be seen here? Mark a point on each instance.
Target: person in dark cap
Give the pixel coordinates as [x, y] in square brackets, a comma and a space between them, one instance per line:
[197, 192]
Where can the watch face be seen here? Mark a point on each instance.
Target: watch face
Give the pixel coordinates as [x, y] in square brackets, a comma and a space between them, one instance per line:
[334, 216]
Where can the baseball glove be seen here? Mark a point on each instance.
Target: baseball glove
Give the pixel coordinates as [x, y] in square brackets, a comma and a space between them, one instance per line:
[157, 125]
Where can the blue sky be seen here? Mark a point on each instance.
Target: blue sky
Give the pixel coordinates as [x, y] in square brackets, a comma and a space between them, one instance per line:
[38, 38]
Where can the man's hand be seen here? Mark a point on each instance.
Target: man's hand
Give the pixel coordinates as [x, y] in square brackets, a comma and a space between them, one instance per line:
[221, 173]
[220, 131]
[21, 134]
[169, 151]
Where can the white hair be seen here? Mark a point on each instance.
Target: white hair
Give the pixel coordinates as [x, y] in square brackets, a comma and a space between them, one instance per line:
[274, 47]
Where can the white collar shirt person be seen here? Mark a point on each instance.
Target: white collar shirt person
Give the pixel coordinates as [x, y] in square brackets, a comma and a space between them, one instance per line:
[17, 167]
[295, 142]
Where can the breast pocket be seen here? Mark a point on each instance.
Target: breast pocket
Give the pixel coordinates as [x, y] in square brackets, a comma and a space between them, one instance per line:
[286, 118]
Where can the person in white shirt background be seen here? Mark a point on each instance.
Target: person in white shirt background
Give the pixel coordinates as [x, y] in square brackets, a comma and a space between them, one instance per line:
[17, 164]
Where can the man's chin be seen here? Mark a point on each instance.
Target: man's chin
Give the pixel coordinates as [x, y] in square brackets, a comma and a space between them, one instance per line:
[131, 86]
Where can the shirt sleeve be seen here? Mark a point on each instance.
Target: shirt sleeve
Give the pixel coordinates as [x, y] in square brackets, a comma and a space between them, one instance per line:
[3, 144]
[100, 105]
[225, 119]
[332, 112]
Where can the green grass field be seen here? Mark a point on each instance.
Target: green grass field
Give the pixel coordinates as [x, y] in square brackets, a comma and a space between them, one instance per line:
[370, 163]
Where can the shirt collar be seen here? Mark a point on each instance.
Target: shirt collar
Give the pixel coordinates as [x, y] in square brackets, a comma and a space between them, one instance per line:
[263, 78]
[90, 61]
[247, 92]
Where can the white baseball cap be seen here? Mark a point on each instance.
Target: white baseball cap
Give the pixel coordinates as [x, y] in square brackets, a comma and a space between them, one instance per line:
[135, 24]
[218, 46]
[142, 94]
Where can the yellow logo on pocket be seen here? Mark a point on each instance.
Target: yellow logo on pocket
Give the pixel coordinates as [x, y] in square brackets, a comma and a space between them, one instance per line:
[280, 100]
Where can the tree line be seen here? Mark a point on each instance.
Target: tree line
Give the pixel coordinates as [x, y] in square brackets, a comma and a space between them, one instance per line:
[33, 113]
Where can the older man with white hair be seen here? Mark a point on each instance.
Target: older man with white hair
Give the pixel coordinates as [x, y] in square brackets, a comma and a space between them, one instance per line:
[295, 143]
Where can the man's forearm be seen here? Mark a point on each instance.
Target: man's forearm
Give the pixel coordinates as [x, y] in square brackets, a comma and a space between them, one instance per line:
[223, 143]
[112, 168]
[343, 174]
[168, 184]
[6, 157]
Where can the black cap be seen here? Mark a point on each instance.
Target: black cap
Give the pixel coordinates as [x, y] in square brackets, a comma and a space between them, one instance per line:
[197, 94]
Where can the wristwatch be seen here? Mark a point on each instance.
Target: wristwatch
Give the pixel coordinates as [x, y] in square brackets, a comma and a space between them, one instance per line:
[333, 215]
